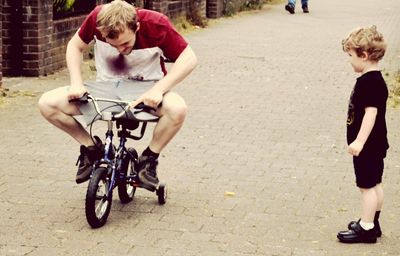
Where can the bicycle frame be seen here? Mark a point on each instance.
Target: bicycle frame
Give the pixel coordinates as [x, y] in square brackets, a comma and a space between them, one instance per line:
[117, 167]
[113, 159]
[111, 156]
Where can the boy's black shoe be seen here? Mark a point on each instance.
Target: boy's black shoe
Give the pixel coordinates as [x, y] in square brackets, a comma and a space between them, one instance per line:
[357, 235]
[147, 170]
[86, 159]
[305, 9]
[289, 8]
[377, 227]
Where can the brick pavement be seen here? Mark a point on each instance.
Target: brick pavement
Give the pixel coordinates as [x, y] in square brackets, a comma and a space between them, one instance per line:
[267, 111]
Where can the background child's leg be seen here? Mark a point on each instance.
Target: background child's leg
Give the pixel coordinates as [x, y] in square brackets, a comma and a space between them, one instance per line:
[379, 192]
[369, 201]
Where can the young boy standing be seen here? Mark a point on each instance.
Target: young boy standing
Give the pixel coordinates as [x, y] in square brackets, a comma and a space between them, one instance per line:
[366, 131]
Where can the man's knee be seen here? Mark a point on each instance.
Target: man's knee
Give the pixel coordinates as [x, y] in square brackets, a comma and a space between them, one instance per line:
[54, 101]
[175, 107]
[180, 113]
[44, 104]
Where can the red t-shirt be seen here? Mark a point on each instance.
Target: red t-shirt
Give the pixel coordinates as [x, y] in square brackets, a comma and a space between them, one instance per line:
[156, 35]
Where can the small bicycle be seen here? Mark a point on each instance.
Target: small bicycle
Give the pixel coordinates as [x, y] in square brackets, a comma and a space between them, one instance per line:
[117, 167]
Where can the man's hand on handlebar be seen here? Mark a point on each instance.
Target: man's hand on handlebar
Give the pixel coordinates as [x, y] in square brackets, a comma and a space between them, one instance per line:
[76, 92]
[151, 98]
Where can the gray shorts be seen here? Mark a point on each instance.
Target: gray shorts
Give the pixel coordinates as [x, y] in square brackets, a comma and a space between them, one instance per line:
[125, 90]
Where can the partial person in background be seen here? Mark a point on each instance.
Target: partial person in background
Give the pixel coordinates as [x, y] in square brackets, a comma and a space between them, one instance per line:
[292, 4]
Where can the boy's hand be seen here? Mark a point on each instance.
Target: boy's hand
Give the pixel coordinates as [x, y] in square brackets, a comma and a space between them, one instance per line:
[355, 148]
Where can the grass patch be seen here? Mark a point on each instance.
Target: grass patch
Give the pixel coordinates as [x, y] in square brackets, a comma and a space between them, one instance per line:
[233, 8]
[393, 80]
[194, 21]
[183, 25]
[6, 93]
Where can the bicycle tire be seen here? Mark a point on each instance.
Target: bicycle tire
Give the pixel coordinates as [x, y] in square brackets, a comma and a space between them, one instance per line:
[126, 191]
[98, 204]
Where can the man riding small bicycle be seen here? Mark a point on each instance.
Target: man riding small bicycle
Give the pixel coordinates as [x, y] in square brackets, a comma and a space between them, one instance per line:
[130, 44]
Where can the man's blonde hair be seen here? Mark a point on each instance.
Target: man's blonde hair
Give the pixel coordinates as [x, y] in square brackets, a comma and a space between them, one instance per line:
[367, 40]
[115, 17]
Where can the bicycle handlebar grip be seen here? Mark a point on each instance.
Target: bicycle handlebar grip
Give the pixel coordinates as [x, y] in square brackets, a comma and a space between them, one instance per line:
[142, 107]
[82, 99]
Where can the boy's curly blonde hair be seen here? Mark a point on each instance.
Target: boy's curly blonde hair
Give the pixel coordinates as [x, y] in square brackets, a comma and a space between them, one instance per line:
[367, 40]
[115, 17]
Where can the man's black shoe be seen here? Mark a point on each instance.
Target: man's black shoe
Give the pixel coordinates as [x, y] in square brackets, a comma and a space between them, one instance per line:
[289, 8]
[357, 235]
[377, 227]
[305, 9]
[86, 159]
[147, 170]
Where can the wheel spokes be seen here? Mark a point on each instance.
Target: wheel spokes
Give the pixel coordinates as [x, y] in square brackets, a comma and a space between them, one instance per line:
[101, 195]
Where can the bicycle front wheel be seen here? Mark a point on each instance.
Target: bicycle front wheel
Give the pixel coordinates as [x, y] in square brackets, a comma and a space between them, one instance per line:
[98, 203]
[127, 191]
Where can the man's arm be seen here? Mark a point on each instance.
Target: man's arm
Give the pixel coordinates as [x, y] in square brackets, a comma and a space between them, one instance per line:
[182, 67]
[74, 57]
[365, 130]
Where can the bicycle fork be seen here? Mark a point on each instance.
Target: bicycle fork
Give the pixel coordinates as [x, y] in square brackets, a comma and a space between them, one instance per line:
[109, 159]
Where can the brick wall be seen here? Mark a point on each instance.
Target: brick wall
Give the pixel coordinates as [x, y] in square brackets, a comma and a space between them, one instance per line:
[37, 34]
[63, 30]
[1, 43]
[43, 41]
[215, 8]
[170, 8]
[8, 58]
[33, 44]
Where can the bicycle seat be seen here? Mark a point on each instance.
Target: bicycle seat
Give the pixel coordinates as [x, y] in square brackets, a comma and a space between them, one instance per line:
[128, 124]
[141, 115]
[144, 116]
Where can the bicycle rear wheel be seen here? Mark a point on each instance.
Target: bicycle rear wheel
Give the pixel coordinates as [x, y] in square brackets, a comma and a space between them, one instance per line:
[98, 204]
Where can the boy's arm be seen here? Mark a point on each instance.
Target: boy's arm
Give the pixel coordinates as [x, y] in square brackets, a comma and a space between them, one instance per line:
[366, 127]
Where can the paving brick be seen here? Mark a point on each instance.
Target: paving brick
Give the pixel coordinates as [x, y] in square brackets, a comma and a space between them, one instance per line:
[267, 109]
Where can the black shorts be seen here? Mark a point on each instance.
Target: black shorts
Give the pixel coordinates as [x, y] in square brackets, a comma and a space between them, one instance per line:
[368, 170]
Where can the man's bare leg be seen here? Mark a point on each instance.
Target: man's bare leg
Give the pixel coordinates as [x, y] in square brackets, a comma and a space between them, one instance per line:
[54, 106]
[173, 113]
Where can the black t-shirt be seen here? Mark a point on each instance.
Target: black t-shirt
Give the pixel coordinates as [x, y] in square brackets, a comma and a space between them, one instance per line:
[370, 91]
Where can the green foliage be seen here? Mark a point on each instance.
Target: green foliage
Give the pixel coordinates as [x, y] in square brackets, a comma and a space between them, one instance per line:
[182, 24]
[229, 8]
[232, 7]
[194, 15]
[63, 5]
[252, 5]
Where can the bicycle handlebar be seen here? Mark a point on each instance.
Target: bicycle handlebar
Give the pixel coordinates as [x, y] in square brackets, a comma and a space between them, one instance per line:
[141, 107]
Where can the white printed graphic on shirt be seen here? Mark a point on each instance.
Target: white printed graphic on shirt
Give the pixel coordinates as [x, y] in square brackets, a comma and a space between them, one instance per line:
[143, 64]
